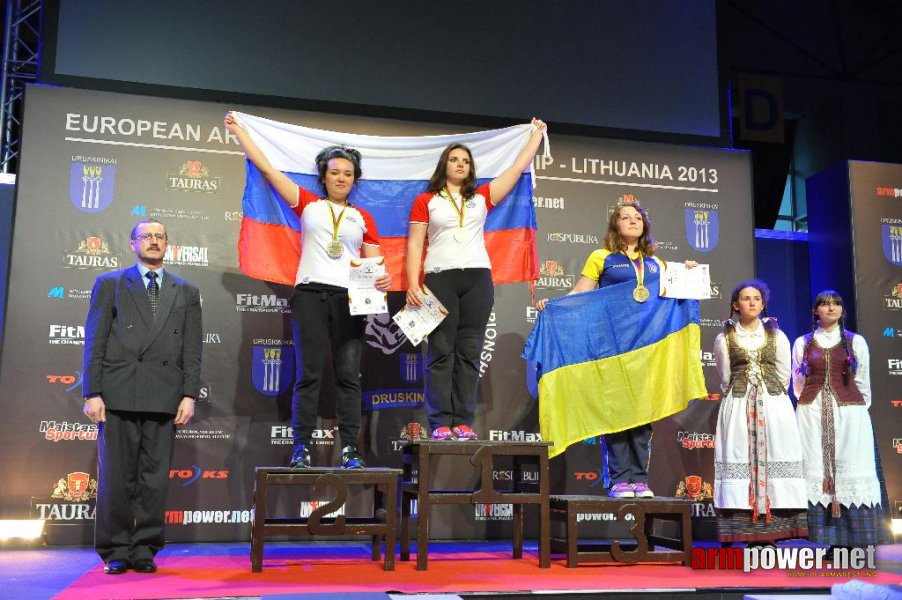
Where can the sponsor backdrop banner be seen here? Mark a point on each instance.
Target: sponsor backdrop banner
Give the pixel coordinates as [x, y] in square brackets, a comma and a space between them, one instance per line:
[94, 163]
[876, 204]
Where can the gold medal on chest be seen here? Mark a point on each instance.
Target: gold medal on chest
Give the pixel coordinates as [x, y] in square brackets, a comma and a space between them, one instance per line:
[640, 294]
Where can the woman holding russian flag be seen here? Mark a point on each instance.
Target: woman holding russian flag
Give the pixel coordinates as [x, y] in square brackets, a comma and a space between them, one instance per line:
[333, 232]
[451, 215]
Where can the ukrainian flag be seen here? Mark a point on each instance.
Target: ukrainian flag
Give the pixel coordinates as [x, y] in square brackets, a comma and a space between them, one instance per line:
[608, 363]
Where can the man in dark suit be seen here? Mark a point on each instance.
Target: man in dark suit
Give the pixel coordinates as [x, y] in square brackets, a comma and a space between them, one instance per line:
[143, 340]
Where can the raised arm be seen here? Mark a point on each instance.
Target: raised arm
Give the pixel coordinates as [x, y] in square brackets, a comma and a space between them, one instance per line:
[285, 187]
[501, 185]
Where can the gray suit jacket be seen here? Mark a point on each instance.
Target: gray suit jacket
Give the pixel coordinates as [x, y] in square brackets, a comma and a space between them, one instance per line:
[135, 360]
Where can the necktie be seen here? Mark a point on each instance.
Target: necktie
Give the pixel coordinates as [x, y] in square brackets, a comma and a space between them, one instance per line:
[153, 291]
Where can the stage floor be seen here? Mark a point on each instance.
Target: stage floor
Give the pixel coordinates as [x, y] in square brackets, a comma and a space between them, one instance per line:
[472, 569]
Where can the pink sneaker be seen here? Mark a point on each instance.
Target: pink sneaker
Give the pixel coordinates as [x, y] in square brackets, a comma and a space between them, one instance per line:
[464, 433]
[442, 433]
[642, 490]
[621, 490]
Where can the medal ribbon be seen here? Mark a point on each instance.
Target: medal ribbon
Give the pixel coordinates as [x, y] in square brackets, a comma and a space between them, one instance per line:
[640, 270]
[459, 211]
[335, 222]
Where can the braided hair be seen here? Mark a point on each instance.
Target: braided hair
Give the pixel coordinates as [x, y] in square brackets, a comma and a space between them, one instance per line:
[850, 365]
[769, 323]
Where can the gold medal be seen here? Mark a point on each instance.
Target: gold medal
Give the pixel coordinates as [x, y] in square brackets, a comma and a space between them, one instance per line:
[334, 249]
[459, 235]
[641, 293]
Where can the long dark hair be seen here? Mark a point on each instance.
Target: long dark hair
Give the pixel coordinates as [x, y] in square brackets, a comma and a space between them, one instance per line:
[326, 154]
[850, 365]
[440, 175]
[614, 243]
[770, 323]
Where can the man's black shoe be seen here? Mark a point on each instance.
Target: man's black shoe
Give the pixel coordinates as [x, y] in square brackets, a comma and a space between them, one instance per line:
[300, 459]
[145, 565]
[351, 459]
[115, 567]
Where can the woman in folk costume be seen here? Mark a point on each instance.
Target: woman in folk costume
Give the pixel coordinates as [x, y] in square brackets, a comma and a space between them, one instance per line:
[831, 379]
[759, 487]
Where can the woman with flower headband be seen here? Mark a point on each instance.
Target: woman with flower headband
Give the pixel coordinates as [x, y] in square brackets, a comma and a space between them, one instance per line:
[759, 488]
[451, 215]
[831, 380]
[333, 232]
[628, 256]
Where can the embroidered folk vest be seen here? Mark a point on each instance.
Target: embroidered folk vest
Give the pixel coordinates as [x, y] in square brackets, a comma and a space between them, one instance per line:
[742, 365]
[826, 366]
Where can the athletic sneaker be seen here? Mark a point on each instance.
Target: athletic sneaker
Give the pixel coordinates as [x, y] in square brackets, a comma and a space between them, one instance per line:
[464, 433]
[621, 490]
[642, 490]
[300, 458]
[442, 433]
[351, 459]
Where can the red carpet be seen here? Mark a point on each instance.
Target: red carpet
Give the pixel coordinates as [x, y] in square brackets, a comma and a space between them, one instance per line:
[230, 575]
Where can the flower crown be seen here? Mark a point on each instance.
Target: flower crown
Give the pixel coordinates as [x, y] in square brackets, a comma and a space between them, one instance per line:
[627, 199]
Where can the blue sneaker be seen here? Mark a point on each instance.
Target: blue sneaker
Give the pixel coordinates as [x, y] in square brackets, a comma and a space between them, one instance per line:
[351, 459]
[300, 458]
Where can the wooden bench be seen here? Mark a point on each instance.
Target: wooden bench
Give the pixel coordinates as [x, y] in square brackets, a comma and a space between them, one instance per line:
[332, 483]
[417, 458]
[646, 513]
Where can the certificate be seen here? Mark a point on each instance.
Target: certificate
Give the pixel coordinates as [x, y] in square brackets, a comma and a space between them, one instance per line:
[418, 321]
[363, 297]
[677, 281]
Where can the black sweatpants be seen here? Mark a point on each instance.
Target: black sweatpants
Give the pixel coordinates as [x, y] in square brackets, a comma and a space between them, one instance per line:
[628, 453]
[453, 354]
[321, 318]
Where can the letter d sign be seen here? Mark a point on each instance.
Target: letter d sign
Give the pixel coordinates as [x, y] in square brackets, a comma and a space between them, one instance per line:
[761, 103]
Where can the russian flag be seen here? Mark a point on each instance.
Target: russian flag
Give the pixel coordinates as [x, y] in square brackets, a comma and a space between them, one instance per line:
[608, 363]
[395, 170]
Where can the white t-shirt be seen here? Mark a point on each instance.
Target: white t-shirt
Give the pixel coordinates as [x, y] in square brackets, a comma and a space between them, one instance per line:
[450, 245]
[317, 215]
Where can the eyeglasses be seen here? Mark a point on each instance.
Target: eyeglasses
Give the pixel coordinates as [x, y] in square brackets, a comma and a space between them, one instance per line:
[145, 237]
[830, 303]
